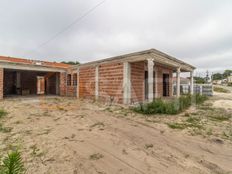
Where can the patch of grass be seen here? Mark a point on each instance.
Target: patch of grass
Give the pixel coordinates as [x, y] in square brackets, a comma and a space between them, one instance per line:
[2, 113]
[176, 125]
[221, 90]
[96, 156]
[191, 122]
[172, 107]
[5, 129]
[148, 146]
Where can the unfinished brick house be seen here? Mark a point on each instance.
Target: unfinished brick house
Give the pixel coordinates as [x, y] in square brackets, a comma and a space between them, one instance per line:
[131, 78]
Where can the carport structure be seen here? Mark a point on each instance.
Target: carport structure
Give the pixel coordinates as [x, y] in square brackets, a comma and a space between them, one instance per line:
[30, 77]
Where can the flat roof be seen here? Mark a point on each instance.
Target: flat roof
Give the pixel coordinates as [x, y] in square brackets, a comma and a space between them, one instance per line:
[151, 53]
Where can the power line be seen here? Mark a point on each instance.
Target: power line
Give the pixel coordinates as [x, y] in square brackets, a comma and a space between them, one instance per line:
[78, 19]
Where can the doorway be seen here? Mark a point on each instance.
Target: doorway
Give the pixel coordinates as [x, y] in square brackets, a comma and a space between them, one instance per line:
[165, 85]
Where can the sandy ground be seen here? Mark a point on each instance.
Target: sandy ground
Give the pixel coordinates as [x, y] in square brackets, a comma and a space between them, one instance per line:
[67, 136]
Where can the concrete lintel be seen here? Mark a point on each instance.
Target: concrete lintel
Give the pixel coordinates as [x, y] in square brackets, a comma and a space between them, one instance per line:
[29, 67]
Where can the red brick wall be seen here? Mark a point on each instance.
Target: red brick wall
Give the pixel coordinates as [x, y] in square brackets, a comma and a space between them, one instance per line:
[1, 82]
[111, 82]
[63, 85]
[87, 82]
[137, 82]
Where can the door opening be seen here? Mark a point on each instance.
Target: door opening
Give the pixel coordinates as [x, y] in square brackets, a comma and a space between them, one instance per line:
[165, 85]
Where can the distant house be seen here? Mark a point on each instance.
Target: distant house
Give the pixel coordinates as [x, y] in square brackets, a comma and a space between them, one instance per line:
[183, 81]
[229, 79]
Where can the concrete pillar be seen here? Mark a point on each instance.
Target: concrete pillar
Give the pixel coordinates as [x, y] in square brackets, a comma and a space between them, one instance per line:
[126, 83]
[78, 82]
[178, 82]
[97, 82]
[1, 83]
[150, 65]
[191, 82]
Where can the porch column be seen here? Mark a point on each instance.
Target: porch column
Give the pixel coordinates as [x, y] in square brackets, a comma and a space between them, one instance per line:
[1, 83]
[178, 82]
[191, 82]
[78, 82]
[97, 82]
[150, 65]
[126, 83]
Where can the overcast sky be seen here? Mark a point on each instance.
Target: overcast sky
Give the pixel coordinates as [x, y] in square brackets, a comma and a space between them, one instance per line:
[196, 31]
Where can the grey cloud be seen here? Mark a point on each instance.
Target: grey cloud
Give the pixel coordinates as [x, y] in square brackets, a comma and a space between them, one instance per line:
[195, 31]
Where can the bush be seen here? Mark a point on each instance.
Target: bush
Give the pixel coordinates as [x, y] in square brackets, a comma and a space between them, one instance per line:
[221, 90]
[12, 164]
[175, 106]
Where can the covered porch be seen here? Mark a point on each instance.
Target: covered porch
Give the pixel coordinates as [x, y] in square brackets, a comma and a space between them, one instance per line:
[150, 76]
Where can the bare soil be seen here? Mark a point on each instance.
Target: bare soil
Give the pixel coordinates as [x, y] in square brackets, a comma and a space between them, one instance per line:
[68, 136]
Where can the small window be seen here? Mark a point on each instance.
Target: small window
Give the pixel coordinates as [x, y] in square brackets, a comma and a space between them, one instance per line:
[75, 79]
[69, 79]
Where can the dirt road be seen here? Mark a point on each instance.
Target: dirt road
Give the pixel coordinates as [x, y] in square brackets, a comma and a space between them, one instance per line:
[67, 136]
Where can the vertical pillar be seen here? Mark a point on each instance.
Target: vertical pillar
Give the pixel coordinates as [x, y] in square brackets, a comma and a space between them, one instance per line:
[97, 82]
[78, 82]
[191, 82]
[178, 82]
[1, 83]
[126, 83]
[150, 65]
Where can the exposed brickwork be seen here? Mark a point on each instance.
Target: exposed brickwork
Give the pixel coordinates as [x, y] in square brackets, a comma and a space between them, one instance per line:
[160, 71]
[1, 82]
[111, 82]
[87, 82]
[137, 82]
[63, 85]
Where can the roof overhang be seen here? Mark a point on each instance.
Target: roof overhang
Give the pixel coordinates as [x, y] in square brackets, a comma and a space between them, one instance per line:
[28, 67]
[157, 56]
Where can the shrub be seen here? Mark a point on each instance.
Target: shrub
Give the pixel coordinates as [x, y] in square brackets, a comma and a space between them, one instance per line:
[221, 90]
[12, 164]
[172, 107]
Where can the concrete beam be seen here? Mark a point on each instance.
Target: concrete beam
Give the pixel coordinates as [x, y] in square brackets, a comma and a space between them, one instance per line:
[16, 66]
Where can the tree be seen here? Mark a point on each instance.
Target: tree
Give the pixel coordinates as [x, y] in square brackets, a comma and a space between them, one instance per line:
[71, 62]
[227, 73]
[217, 76]
[199, 80]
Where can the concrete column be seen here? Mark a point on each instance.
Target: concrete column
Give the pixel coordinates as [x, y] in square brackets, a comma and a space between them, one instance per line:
[126, 83]
[1, 83]
[78, 82]
[150, 65]
[191, 82]
[178, 82]
[97, 82]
